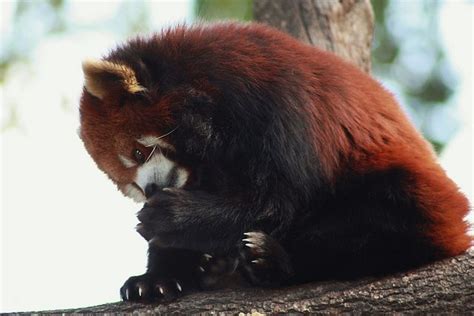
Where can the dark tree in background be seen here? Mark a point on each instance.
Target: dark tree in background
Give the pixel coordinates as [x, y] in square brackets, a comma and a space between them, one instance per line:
[344, 28]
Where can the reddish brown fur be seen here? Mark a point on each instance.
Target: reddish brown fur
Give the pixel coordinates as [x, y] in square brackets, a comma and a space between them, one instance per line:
[376, 135]
[347, 134]
[373, 135]
[109, 129]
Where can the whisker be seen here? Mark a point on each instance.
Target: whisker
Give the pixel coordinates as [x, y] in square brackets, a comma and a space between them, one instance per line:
[152, 141]
[164, 135]
[151, 154]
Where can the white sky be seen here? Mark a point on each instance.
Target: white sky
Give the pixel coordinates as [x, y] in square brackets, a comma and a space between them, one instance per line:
[67, 234]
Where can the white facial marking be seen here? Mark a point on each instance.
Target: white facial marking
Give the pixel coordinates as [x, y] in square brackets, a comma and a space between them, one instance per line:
[131, 191]
[127, 162]
[150, 141]
[156, 170]
[163, 144]
[162, 172]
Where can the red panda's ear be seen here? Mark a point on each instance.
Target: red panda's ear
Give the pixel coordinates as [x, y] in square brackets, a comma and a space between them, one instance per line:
[101, 76]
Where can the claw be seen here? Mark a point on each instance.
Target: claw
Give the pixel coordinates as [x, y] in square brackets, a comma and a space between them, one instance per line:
[252, 234]
[250, 245]
[201, 269]
[160, 289]
[207, 256]
[255, 238]
[140, 291]
[127, 296]
[252, 240]
[178, 286]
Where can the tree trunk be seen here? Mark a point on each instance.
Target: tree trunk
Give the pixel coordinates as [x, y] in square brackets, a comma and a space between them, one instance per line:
[344, 27]
[443, 287]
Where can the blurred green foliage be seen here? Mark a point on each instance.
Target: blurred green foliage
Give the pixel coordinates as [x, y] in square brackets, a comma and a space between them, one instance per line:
[28, 32]
[33, 21]
[409, 52]
[224, 9]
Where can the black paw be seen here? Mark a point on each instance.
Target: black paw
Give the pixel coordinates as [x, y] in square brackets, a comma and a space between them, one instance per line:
[160, 217]
[168, 216]
[160, 209]
[147, 288]
[263, 260]
[212, 270]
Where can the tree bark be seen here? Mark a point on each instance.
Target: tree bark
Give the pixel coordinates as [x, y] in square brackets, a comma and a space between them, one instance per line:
[344, 27]
[443, 287]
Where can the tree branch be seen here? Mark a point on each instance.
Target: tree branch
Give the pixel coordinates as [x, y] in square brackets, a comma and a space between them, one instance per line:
[443, 287]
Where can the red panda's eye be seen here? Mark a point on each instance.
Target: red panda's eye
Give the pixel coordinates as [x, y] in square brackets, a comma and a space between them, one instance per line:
[139, 156]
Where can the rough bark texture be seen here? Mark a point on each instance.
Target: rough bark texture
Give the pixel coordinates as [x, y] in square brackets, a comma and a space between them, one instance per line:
[443, 287]
[344, 27]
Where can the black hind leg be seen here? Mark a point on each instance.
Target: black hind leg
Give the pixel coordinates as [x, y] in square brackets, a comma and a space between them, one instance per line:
[263, 261]
[372, 226]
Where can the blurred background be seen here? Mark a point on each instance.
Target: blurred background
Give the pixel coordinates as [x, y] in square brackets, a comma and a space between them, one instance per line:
[67, 237]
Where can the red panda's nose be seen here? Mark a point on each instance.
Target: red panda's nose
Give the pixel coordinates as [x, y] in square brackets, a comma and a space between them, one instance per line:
[150, 189]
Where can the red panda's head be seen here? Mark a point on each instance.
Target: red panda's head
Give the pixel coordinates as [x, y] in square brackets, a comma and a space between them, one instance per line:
[177, 108]
[125, 134]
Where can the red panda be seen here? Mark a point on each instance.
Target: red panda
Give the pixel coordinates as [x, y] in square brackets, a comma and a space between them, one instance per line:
[279, 159]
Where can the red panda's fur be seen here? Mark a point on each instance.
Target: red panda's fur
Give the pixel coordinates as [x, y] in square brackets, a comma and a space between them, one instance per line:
[279, 137]
[370, 135]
